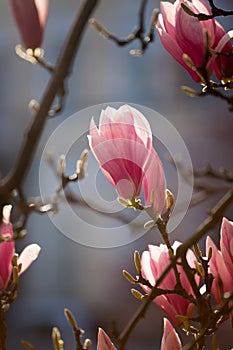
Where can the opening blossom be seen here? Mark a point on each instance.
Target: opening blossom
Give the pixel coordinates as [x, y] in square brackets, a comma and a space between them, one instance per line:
[122, 145]
[154, 261]
[223, 64]
[104, 342]
[170, 339]
[7, 250]
[221, 262]
[30, 17]
[181, 33]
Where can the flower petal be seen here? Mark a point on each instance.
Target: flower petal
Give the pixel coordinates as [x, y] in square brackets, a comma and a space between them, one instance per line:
[28, 255]
[154, 183]
[104, 342]
[170, 338]
[30, 17]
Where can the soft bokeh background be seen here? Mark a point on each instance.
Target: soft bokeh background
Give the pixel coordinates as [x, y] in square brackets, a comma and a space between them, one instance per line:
[67, 274]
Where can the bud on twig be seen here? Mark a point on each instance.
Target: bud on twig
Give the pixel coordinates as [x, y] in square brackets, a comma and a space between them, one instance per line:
[154, 17]
[27, 345]
[34, 106]
[57, 341]
[210, 253]
[123, 202]
[62, 165]
[170, 200]
[215, 342]
[137, 261]
[70, 318]
[15, 275]
[149, 224]
[200, 269]
[197, 250]
[97, 26]
[189, 91]
[87, 344]
[81, 165]
[138, 295]
[129, 277]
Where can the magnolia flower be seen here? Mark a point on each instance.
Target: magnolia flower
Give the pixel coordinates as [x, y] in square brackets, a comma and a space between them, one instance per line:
[221, 262]
[223, 64]
[154, 262]
[30, 17]
[104, 342]
[170, 339]
[123, 148]
[7, 250]
[184, 35]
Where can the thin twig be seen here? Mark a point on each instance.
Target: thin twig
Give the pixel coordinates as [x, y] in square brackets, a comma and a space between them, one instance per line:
[138, 32]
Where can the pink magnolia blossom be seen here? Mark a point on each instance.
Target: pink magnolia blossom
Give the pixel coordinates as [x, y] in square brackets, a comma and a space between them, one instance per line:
[223, 65]
[221, 262]
[182, 34]
[30, 17]
[123, 147]
[104, 342]
[7, 250]
[153, 262]
[170, 339]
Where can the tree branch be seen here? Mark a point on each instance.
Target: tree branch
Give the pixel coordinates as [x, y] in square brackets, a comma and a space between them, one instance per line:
[62, 69]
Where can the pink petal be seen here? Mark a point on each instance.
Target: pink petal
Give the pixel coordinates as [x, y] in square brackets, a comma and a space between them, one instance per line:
[154, 262]
[190, 36]
[7, 250]
[169, 41]
[168, 17]
[168, 308]
[104, 342]
[30, 17]
[223, 65]
[201, 6]
[219, 270]
[170, 44]
[28, 255]
[154, 183]
[226, 243]
[147, 269]
[125, 123]
[170, 338]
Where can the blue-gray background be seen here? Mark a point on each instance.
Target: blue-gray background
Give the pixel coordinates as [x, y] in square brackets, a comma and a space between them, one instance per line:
[84, 279]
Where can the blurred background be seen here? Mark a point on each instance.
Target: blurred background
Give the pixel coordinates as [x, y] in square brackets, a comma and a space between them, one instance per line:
[67, 274]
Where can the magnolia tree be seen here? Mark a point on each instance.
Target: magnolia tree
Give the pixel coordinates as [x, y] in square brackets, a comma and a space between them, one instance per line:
[194, 288]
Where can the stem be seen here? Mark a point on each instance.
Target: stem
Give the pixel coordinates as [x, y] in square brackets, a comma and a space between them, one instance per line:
[61, 71]
[3, 331]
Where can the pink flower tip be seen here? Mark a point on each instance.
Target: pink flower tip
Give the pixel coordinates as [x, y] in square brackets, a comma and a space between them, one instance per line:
[30, 17]
[104, 342]
[170, 339]
[6, 213]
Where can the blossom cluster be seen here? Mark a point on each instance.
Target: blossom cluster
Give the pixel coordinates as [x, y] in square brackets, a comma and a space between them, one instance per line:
[118, 129]
[123, 146]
